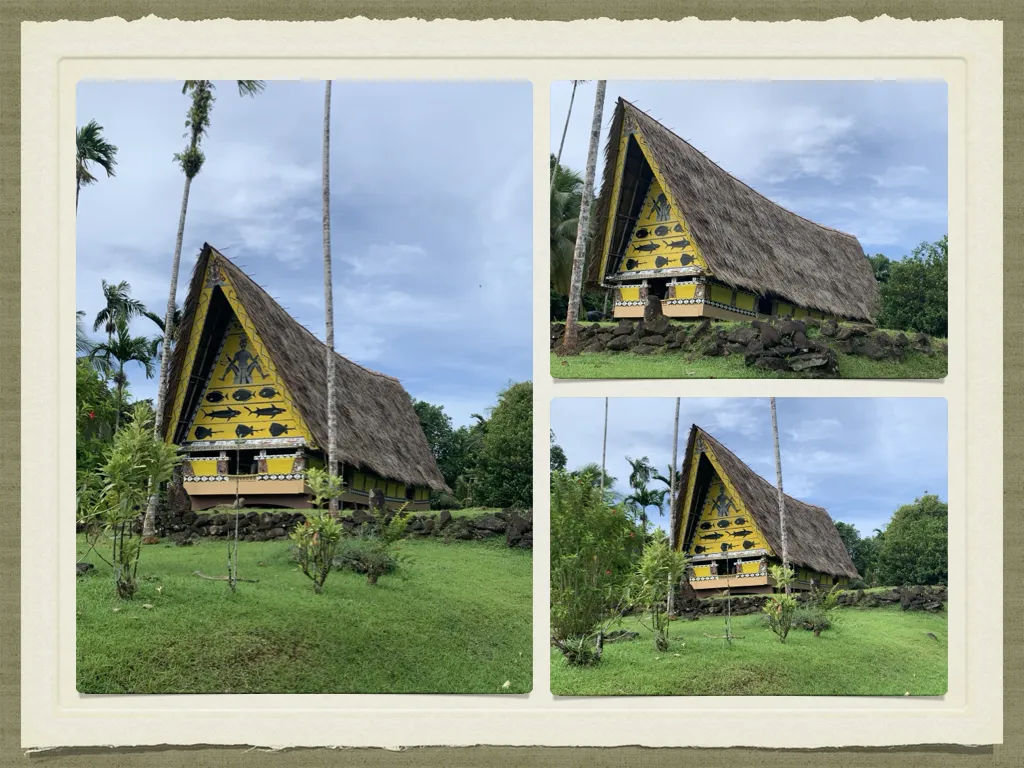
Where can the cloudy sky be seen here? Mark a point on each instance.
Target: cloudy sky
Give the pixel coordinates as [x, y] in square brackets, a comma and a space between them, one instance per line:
[431, 218]
[859, 458]
[864, 157]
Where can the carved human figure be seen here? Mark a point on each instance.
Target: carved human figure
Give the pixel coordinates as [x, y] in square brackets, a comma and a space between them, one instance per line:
[242, 364]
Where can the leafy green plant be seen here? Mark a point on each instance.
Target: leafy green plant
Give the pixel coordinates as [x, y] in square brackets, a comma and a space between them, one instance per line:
[316, 539]
[659, 567]
[593, 545]
[110, 501]
[780, 607]
[379, 552]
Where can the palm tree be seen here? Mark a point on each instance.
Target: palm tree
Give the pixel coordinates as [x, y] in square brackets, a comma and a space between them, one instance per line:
[643, 498]
[596, 475]
[91, 148]
[332, 419]
[570, 343]
[191, 160]
[566, 194]
[119, 350]
[172, 337]
[119, 306]
[672, 502]
[561, 144]
[641, 472]
[604, 442]
[83, 344]
[778, 478]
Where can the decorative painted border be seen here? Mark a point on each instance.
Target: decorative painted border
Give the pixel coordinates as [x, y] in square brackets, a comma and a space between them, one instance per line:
[224, 478]
[718, 304]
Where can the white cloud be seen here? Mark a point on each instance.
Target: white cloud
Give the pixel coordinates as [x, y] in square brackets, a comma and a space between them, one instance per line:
[899, 176]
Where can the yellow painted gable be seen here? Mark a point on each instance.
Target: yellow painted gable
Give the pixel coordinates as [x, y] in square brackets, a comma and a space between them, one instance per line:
[724, 525]
[660, 239]
[244, 398]
[658, 204]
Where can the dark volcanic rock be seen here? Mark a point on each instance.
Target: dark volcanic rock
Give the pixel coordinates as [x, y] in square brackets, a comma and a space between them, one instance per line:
[619, 344]
[743, 335]
[771, 363]
[769, 336]
[654, 341]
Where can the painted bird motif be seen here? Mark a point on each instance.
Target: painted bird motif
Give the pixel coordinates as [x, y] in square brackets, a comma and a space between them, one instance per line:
[222, 413]
[713, 536]
[267, 410]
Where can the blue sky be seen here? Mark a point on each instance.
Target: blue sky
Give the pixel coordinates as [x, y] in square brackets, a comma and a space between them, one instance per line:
[859, 458]
[864, 157]
[431, 207]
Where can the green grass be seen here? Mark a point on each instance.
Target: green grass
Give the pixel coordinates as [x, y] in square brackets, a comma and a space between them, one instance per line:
[460, 623]
[870, 652]
[673, 364]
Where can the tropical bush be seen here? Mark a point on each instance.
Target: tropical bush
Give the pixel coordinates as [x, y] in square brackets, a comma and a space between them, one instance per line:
[316, 539]
[913, 547]
[779, 608]
[914, 290]
[655, 575]
[111, 500]
[592, 549]
[505, 476]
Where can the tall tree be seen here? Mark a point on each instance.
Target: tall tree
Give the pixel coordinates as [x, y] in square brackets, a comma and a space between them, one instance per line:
[672, 501]
[558, 458]
[91, 149]
[83, 344]
[604, 448]
[172, 336]
[566, 194]
[571, 340]
[119, 350]
[643, 498]
[332, 417]
[191, 160]
[781, 495]
[561, 144]
[119, 306]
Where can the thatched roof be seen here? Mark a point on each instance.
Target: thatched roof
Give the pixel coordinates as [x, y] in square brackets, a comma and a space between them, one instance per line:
[378, 430]
[812, 538]
[747, 240]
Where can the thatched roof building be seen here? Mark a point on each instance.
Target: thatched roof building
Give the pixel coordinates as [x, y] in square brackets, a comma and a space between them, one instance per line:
[729, 250]
[725, 512]
[277, 402]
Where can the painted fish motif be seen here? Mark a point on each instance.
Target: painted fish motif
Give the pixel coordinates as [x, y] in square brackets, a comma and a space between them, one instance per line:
[679, 243]
[214, 397]
[744, 532]
[724, 523]
[741, 521]
[662, 231]
[705, 526]
[642, 233]
[241, 395]
[277, 430]
[632, 263]
[222, 413]
[726, 547]
[268, 410]
[713, 536]
[268, 392]
[646, 247]
[747, 544]
[243, 431]
[677, 228]
[698, 550]
[685, 259]
[662, 261]
[204, 432]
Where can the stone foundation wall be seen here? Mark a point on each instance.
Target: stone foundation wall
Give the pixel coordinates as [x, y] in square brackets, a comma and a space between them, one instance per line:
[927, 598]
[776, 343]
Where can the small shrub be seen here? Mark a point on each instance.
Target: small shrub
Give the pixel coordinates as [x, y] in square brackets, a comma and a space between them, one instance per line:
[581, 651]
[659, 569]
[361, 555]
[316, 539]
[779, 607]
[377, 544]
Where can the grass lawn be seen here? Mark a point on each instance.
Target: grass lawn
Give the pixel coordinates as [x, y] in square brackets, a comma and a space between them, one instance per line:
[870, 652]
[674, 364]
[460, 623]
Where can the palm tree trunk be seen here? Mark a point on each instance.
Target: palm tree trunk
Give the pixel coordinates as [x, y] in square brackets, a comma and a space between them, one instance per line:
[78, 191]
[332, 427]
[571, 340]
[604, 446]
[561, 144]
[672, 504]
[778, 479]
[120, 395]
[149, 522]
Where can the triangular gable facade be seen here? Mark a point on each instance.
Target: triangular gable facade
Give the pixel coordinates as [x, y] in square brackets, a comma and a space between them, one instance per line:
[233, 394]
[660, 242]
[722, 522]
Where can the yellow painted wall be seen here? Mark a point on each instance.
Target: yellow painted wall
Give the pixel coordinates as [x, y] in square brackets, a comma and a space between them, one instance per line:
[746, 301]
[204, 467]
[630, 292]
[724, 521]
[684, 291]
[228, 385]
[660, 239]
[281, 466]
[722, 294]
